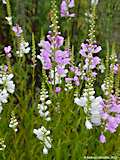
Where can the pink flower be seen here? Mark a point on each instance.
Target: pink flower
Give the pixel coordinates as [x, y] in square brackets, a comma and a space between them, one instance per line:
[102, 138]
[97, 49]
[18, 30]
[116, 68]
[95, 61]
[71, 4]
[59, 41]
[60, 70]
[64, 8]
[57, 89]
[68, 80]
[87, 49]
[47, 64]
[94, 74]
[7, 51]
[62, 57]
[59, 56]
[45, 45]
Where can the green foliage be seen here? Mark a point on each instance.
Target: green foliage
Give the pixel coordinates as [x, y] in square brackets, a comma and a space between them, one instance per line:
[71, 140]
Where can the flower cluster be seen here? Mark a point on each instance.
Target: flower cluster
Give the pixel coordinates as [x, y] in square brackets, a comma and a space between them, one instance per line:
[96, 110]
[93, 108]
[88, 51]
[23, 49]
[7, 86]
[66, 5]
[75, 73]
[91, 105]
[110, 114]
[53, 58]
[7, 51]
[13, 122]
[43, 135]
[2, 144]
[107, 86]
[17, 30]
[43, 106]
[68, 84]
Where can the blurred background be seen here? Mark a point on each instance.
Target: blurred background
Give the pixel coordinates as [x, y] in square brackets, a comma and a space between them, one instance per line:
[34, 15]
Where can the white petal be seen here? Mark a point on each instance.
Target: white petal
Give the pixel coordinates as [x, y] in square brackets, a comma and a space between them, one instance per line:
[88, 124]
[45, 150]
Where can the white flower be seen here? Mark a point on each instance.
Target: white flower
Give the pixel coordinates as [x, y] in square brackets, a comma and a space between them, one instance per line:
[96, 108]
[80, 101]
[103, 86]
[43, 111]
[42, 98]
[42, 107]
[94, 2]
[45, 102]
[9, 19]
[96, 119]
[92, 98]
[92, 93]
[41, 44]
[57, 77]
[48, 142]
[41, 132]
[24, 49]
[45, 150]
[13, 122]
[88, 124]
[4, 2]
[3, 96]
[68, 86]
[48, 119]
[2, 144]
[48, 102]
[102, 68]
[77, 100]
[8, 83]
[38, 133]
[43, 135]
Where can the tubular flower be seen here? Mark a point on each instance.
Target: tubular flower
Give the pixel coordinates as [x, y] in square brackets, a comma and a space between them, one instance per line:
[65, 7]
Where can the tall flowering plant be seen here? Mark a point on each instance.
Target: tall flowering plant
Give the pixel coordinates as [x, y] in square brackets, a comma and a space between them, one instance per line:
[91, 62]
[54, 59]
[44, 112]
